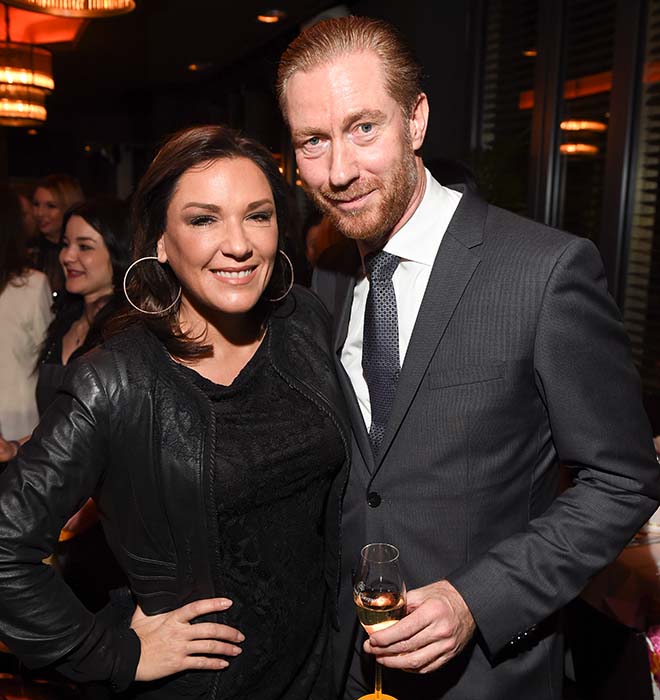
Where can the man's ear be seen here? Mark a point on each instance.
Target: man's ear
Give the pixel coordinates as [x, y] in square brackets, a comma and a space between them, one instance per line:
[419, 120]
[160, 250]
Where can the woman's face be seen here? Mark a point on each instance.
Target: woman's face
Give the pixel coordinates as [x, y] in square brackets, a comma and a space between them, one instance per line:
[221, 236]
[47, 214]
[85, 260]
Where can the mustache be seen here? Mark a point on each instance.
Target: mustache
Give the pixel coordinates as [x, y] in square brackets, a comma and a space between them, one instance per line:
[349, 193]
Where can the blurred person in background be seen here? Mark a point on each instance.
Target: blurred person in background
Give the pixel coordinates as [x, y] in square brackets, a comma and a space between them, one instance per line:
[94, 253]
[53, 196]
[25, 312]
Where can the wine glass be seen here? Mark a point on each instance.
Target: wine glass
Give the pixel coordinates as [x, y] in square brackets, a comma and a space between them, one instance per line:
[380, 597]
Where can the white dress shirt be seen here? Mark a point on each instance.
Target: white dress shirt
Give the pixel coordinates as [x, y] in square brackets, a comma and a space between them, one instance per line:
[416, 243]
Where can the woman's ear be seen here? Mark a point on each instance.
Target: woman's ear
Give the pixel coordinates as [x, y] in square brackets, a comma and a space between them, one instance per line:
[161, 252]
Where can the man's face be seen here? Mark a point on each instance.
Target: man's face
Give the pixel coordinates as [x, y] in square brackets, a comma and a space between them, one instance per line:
[354, 147]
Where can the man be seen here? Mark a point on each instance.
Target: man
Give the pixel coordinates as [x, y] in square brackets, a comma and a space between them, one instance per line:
[477, 350]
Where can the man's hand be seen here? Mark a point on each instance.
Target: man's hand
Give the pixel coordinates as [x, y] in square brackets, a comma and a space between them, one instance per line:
[169, 643]
[438, 626]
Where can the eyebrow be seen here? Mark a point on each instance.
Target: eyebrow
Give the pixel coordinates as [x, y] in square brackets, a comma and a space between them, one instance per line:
[202, 205]
[214, 208]
[79, 238]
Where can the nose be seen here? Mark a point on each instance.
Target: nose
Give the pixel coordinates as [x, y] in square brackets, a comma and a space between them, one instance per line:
[67, 255]
[235, 244]
[343, 165]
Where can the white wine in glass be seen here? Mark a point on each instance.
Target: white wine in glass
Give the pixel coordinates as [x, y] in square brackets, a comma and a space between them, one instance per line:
[380, 597]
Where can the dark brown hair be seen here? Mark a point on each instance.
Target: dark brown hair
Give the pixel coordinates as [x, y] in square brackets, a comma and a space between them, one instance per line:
[13, 256]
[153, 286]
[331, 38]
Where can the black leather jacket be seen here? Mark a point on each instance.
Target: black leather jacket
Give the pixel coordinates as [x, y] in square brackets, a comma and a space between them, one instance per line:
[130, 429]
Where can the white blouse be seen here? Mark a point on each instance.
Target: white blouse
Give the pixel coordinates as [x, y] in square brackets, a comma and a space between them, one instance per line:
[25, 313]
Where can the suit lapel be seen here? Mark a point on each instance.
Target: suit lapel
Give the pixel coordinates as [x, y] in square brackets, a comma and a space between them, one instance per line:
[455, 263]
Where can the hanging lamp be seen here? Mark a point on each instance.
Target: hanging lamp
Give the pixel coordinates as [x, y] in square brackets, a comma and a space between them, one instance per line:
[76, 8]
[26, 77]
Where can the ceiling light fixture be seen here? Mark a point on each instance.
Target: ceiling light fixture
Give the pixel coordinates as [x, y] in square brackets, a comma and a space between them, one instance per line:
[76, 8]
[26, 76]
[271, 16]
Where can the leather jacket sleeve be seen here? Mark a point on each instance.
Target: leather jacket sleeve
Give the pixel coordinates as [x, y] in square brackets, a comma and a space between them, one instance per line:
[41, 620]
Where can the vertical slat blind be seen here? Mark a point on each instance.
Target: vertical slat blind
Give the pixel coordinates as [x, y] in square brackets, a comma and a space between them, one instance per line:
[642, 291]
[502, 163]
[589, 55]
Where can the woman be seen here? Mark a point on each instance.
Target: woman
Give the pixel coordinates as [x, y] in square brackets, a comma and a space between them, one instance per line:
[25, 313]
[210, 429]
[94, 254]
[52, 197]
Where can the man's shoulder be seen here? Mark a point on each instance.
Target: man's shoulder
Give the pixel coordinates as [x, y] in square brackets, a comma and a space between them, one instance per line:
[506, 229]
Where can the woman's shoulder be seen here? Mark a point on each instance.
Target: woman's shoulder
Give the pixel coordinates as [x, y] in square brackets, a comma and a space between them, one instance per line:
[308, 306]
[30, 280]
[303, 316]
[124, 359]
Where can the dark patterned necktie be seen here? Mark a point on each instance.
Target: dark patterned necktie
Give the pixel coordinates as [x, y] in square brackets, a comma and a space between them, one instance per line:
[380, 342]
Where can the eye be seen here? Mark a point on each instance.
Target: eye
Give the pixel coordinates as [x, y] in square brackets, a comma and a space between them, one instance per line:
[202, 220]
[366, 128]
[261, 217]
[83, 247]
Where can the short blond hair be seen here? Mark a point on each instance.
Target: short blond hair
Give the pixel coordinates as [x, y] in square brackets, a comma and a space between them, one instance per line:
[331, 38]
[65, 189]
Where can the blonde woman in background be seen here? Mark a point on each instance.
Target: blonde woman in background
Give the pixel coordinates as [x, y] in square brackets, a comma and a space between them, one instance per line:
[53, 196]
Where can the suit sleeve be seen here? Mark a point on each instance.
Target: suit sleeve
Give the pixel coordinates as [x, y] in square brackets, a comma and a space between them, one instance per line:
[41, 620]
[591, 391]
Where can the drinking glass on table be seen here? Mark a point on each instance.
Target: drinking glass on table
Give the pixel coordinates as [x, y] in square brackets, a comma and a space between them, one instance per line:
[380, 597]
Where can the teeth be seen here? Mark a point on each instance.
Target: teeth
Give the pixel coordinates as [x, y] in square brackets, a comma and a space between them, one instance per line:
[231, 274]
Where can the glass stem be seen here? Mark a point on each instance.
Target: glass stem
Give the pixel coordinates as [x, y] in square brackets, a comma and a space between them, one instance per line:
[378, 692]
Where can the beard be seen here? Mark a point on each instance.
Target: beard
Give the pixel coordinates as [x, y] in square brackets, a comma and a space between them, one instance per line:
[375, 221]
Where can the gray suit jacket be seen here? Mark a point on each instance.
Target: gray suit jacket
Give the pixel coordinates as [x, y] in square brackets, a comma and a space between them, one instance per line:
[518, 361]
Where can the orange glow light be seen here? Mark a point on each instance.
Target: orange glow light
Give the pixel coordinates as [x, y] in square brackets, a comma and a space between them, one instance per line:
[582, 125]
[35, 28]
[591, 85]
[271, 16]
[530, 53]
[581, 149]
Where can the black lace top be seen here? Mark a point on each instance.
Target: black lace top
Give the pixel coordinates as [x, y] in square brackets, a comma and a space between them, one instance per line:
[277, 454]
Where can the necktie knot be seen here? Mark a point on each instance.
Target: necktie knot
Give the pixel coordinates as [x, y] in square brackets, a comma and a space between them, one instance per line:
[380, 266]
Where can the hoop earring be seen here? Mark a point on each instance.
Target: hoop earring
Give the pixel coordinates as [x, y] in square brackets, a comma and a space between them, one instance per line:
[290, 287]
[135, 306]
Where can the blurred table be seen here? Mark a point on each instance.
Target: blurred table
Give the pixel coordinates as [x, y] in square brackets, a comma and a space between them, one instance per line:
[606, 626]
[628, 590]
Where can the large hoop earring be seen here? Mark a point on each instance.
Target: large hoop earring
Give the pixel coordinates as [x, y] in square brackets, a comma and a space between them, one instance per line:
[135, 306]
[290, 287]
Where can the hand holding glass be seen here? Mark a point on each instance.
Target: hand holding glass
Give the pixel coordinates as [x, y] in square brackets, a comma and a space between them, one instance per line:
[380, 597]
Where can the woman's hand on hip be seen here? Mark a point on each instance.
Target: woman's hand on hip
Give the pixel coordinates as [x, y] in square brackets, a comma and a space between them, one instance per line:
[169, 643]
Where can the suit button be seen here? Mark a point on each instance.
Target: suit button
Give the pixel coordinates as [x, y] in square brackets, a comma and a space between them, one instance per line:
[373, 499]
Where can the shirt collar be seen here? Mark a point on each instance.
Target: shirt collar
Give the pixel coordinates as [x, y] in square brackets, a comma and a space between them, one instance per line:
[419, 238]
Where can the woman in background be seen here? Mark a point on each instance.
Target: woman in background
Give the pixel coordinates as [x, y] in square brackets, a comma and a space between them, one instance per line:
[53, 196]
[94, 254]
[25, 304]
